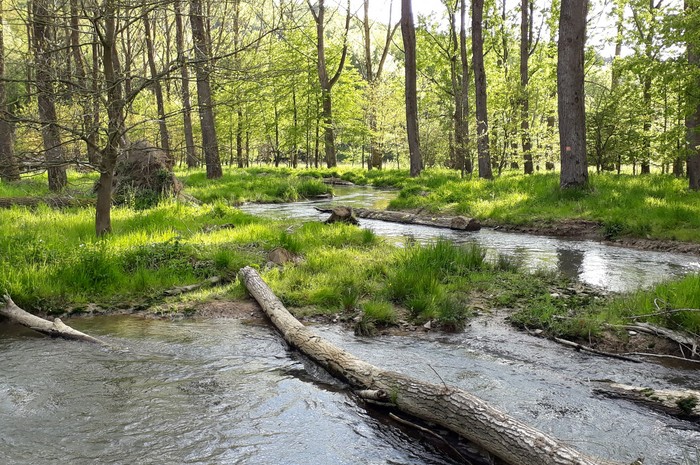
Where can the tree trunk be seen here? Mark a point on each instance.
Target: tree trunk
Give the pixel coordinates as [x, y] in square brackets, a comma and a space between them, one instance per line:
[692, 121]
[9, 169]
[46, 97]
[115, 123]
[55, 329]
[206, 111]
[482, 124]
[408, 32]
[572, 115]
[525, 41]
[191, 157]
[464, 158]
[157, 90]
[326, 82]
[450, 407]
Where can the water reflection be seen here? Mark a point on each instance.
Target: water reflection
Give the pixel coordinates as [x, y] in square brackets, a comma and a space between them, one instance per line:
[612, 268]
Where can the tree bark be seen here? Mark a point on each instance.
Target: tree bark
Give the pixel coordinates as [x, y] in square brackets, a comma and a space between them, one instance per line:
[525, 41]
[115, 121]
[408, 31]
[692, 121]
[464, 158]
[46, 97]
[9, 169]
[54, 329]
[482, 124]
[206, 111]
[191, 157]
[450, 407]
[572, 115]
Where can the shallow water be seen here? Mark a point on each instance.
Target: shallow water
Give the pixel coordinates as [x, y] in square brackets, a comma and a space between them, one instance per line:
[230, 392]
[614, 269]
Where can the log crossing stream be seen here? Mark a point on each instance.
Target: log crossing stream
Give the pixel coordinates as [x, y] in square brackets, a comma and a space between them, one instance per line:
[226, 391]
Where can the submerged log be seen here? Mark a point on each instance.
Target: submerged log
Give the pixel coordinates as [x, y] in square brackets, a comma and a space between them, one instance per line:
[454, 409]
[684, 404]
[55, 328]
[461, 223]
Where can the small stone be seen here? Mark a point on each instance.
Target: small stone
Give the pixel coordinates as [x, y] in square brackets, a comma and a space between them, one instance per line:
[428, 325]
[555, 295]
[632, 333]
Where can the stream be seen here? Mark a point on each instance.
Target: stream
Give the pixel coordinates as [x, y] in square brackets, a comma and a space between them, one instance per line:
[227, 391]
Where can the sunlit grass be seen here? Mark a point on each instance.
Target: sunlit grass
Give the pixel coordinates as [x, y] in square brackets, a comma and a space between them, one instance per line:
[658, 206]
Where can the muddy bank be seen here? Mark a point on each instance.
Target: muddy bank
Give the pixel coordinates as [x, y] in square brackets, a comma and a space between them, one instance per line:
[583, 229]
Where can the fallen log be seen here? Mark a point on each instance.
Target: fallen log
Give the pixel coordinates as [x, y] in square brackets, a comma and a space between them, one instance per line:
[55, 328]
[684, 404]
[461, 223]
[454, 409]
[591, 350]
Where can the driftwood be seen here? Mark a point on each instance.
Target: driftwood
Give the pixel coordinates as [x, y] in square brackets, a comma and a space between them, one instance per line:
[213, 281]
[591, 350]
[691, 344]
[683, 404]
[450, 407]
[460, 223]
[55, 328]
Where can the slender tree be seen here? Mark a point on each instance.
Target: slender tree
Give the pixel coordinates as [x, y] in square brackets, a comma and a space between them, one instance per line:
[373, 77]
[9, 170]
[692, 122]
[408, 32]
[191, 158]
[156, 86]
[525, 43]
[43, 34]
[482, 124]
[202, 65]
[326, 82]
[572, 115]
[115, 115]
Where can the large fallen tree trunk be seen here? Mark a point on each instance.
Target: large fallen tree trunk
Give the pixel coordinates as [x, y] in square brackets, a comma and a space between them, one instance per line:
[55, 328]
[450, 407]
[461, 223]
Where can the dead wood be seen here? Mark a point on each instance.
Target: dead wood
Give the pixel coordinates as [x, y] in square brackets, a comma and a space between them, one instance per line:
[213, 281]
[342, 215]
[55, 328]
[446, 406]
[683, 340]
[591, 350]
[683, 404]
[460, 223]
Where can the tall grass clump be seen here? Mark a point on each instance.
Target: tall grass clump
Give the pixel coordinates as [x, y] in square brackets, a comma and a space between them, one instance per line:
[422, 274]
[663, 304]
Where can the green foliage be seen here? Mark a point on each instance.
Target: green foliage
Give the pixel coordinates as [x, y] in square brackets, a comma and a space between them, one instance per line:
[662, 300]
[687, 404]
[671, 211]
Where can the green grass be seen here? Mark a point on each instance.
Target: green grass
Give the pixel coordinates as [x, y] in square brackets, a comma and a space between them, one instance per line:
[657, 206]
